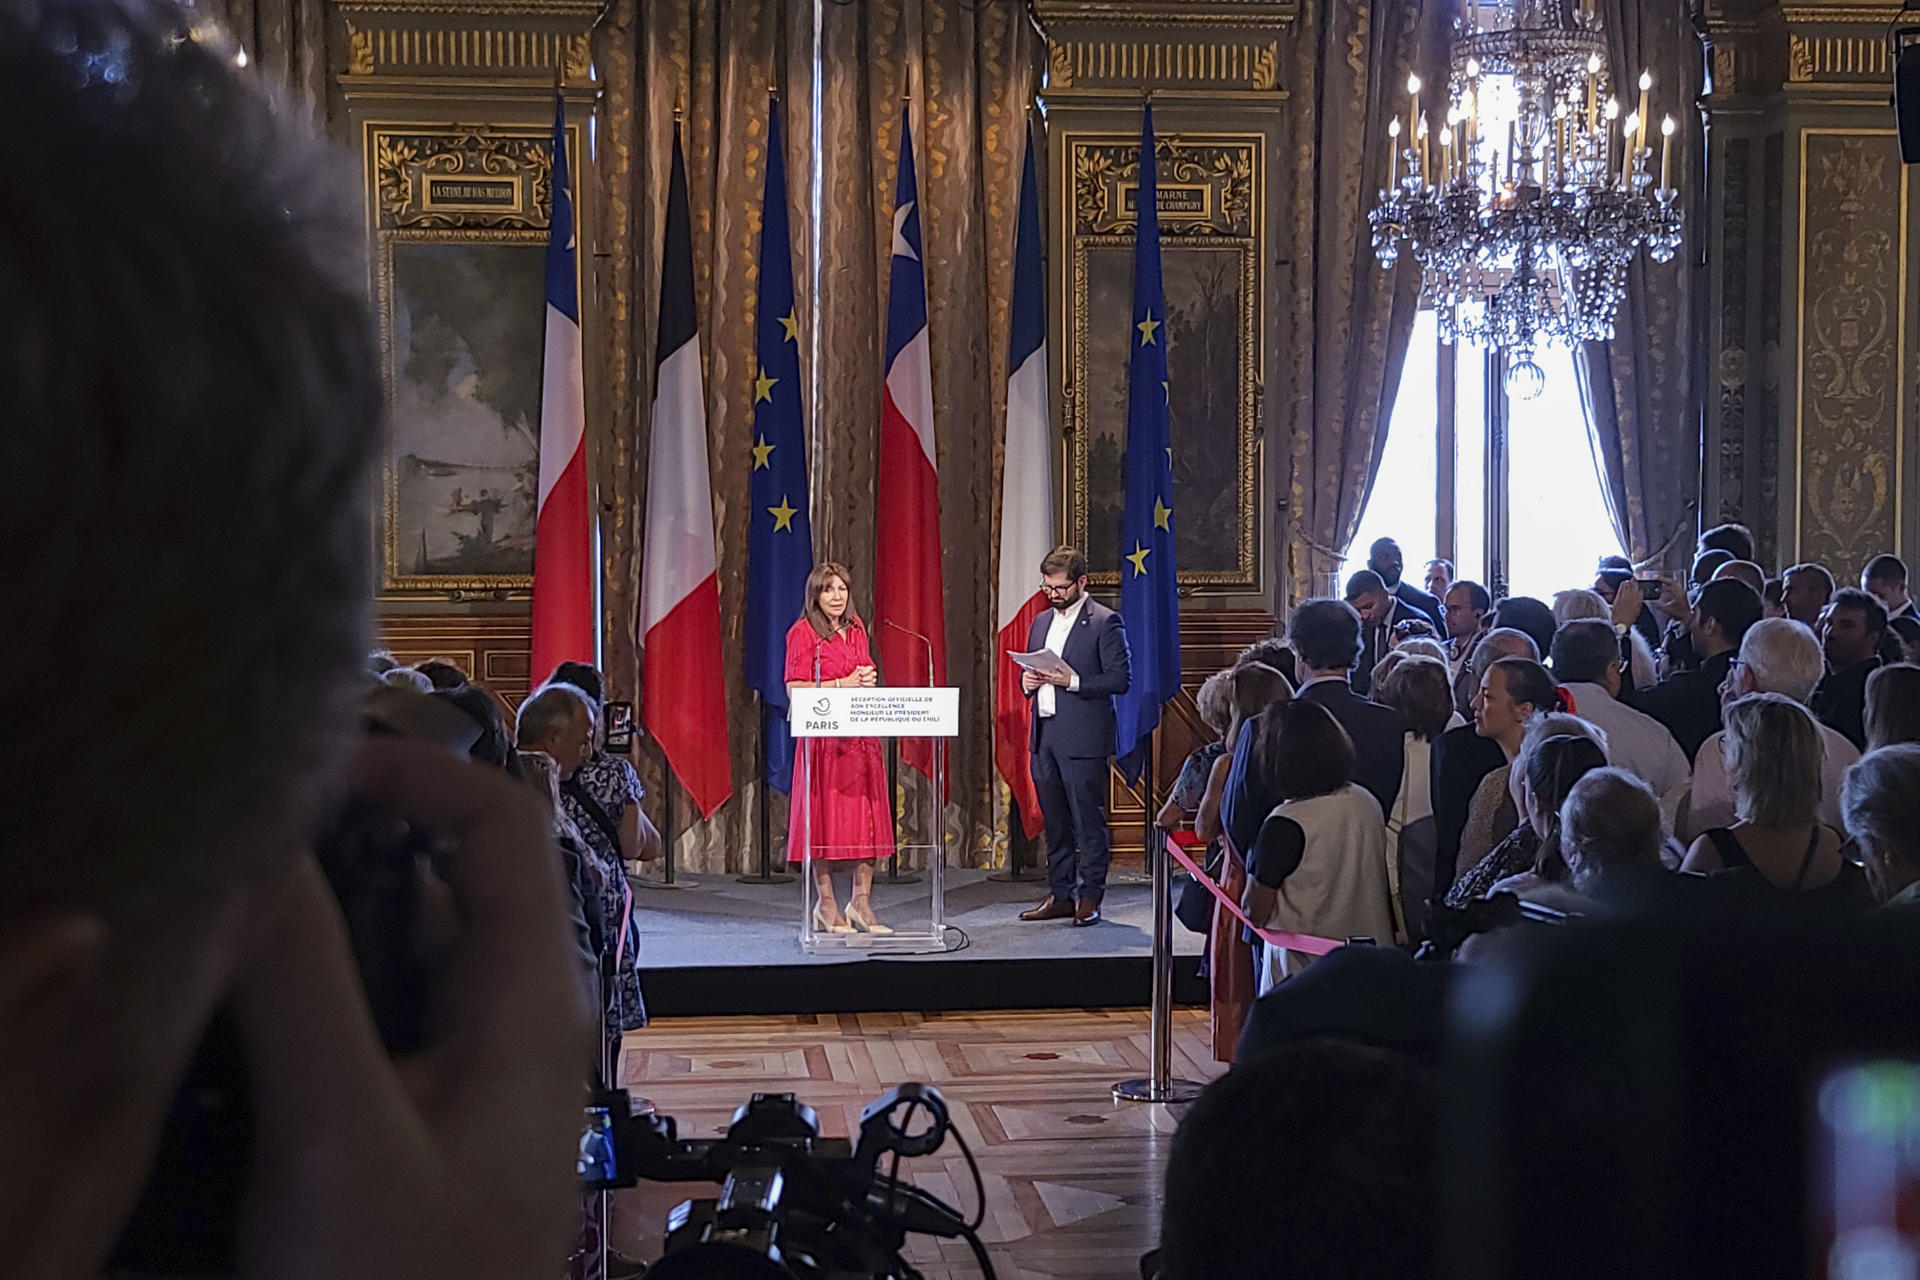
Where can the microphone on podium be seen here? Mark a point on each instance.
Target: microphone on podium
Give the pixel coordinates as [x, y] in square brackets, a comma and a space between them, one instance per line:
[915, 635]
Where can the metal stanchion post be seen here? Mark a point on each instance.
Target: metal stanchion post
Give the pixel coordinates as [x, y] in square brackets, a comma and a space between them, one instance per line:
[1160, 1084]
[669, 874]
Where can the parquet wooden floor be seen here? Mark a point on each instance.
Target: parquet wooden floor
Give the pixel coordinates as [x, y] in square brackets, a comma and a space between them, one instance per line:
[1073, 1178]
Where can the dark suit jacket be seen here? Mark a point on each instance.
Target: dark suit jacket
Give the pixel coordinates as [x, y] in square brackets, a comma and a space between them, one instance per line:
[1376, 641]
[1423, 605]
[1840, 701]
[1688, 702]
[1460, 759]
[1379, 737]
[1096, 649]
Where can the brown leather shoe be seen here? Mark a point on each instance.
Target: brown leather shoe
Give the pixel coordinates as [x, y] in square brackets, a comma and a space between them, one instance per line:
[1052, 909]
[1086, 911]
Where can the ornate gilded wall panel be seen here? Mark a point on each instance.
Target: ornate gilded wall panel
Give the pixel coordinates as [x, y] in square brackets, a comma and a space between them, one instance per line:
[459, 220]
[1211, 202]
[1852, 301]
[1732, 362]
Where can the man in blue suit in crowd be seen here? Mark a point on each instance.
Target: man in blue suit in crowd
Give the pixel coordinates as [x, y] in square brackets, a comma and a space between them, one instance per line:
[1072, 737]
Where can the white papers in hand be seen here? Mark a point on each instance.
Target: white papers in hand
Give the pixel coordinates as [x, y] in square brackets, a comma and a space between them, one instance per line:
[1044, 661]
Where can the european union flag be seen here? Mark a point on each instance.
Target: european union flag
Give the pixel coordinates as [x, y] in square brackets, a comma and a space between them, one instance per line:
[779, 537]
[1148, 602]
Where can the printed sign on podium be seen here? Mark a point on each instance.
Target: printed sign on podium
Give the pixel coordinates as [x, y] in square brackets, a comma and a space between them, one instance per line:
[839, 761]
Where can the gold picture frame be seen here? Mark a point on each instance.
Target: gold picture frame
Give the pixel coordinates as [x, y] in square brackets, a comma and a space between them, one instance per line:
[1210, 189]
[458, 219]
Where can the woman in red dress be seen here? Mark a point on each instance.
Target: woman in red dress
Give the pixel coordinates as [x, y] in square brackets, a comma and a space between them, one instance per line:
[839, 784]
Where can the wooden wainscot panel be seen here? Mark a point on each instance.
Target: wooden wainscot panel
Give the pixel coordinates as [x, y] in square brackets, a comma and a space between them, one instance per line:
[494, 651]
[1209, 642]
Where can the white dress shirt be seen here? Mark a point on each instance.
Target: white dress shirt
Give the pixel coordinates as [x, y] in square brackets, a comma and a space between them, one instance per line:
[1712, 802]
[1636, 742]
[1057, 632]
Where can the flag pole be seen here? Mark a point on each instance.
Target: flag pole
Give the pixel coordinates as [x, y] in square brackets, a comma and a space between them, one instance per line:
[766, 874]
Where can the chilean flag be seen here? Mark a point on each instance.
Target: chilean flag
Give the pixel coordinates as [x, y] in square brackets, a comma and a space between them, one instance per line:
[563, 629]
[685, 696]
[1026, 498]
[908, 598]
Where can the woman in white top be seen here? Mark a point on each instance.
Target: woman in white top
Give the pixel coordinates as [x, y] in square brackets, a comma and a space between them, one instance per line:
[1319, 866]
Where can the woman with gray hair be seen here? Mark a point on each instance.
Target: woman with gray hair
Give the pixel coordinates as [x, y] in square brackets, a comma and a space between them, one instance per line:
[1773, 755]
[1610, 824]
[1880, 802]
[1215, 703]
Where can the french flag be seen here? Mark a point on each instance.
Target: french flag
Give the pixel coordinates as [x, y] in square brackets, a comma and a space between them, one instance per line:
[908, 601]
[563, 629]
[1026, 498]
[685, 693]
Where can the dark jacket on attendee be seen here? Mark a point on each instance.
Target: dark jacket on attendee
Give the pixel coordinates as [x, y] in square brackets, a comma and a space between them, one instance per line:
[1096, 649]
[1379, 737]
[1377, 641]
[1840, 701]
[1420, 603]
[1461, 758]
[1688, 702]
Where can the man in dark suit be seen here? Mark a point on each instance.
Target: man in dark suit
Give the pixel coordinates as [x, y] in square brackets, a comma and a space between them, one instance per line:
[1851, 629]
[1326, 635]
[1384, 558]
[1072, 735]
[1383, 619]
[1688, 702]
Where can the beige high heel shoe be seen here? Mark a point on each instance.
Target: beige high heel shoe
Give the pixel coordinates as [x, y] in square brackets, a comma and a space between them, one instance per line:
[860, 913]
[820, 924]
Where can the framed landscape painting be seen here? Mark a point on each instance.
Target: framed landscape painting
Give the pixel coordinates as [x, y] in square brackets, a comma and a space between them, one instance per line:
[459, 218]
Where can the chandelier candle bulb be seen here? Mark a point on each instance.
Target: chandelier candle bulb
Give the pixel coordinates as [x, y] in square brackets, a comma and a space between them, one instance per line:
[1646, 83]
[1413, 109]
[1628, 137]
[1666, 153]
[1425, 160]
[1393, 154]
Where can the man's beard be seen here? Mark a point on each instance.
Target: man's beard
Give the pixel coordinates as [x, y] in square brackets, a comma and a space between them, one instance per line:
[1061, 606]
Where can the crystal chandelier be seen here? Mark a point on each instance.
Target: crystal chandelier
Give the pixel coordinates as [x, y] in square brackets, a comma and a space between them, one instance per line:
[1525, 205]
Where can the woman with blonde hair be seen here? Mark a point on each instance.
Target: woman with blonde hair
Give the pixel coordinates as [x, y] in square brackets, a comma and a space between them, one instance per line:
[840, 810]
[1773, 754]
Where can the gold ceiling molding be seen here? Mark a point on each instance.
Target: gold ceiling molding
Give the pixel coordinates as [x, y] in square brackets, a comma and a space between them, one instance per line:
[514, 50]
[587, 9]
[1169, 13]
[1811, 58]
[1875, 15]
[1131, 63]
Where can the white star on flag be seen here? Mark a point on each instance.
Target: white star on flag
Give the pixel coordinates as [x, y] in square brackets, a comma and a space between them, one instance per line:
[901, 249]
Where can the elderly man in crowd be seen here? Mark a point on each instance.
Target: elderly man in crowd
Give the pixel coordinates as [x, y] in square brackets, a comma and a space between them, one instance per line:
[1586, 662]
[1777, 655]
[1805, 591]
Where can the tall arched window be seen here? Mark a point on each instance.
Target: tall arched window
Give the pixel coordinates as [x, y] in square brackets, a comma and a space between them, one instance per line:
[1506, 489]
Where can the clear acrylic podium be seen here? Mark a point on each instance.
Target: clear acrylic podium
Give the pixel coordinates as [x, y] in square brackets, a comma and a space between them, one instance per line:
[920, 720]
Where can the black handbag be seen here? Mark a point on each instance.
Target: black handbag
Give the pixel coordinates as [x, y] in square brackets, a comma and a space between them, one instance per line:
[1192, 903]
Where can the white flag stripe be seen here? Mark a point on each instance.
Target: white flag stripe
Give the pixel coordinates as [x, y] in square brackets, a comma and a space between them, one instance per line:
[563, 416]
[679, 537]
[1026, 487]
[909, 381]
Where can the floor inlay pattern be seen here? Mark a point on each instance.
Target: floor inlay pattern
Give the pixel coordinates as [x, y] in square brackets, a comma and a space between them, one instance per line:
[1072, 1177]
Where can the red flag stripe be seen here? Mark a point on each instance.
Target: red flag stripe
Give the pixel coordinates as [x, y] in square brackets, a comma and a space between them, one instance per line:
[682, 686]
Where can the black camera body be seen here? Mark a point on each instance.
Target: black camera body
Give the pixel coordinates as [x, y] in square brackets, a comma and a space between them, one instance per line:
[791, 1203]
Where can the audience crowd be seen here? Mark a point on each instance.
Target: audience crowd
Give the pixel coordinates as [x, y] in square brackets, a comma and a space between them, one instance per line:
[1417, 751]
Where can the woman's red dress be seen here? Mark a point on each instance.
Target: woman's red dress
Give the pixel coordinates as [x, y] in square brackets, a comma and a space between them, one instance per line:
[839, 784]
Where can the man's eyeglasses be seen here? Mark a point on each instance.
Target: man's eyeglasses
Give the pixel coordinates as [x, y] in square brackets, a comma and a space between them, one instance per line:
[1059, 590]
